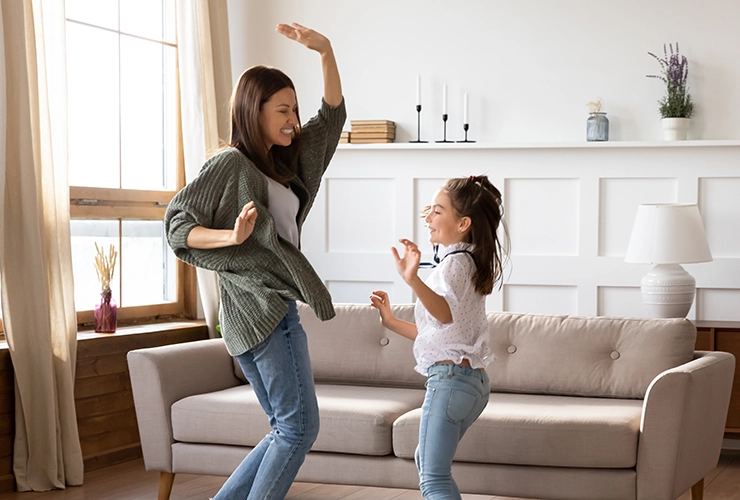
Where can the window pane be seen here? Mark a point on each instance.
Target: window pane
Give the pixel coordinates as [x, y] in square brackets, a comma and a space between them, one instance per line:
[98, 12]
[85, 234]
[92, 87]
[148, 264]
[153, 19]
[148, 114]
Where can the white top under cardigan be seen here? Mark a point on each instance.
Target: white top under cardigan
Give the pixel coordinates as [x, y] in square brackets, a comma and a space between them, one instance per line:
[466, 337]
[283, 204]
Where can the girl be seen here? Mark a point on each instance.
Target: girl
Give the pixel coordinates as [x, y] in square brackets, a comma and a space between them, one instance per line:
[451, 330]
[242, 217]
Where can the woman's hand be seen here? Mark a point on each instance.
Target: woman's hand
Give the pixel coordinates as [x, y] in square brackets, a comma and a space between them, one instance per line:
[305, 36]
[244, 223]
[407, 265]
[318, 42]
[205, 238]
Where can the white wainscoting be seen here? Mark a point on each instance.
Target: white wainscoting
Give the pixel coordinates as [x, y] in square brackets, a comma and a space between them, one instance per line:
[569, 209]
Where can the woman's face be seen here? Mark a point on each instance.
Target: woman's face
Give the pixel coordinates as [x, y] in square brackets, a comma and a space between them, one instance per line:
[445, 226]
[278, 117]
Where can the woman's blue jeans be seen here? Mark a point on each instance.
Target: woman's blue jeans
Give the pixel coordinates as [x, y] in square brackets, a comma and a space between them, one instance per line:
[456, 396]
[279, 371]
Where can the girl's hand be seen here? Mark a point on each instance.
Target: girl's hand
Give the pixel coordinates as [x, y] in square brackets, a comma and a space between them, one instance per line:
[407, 265]
[244, 223]
[305, 36]
[379, 300]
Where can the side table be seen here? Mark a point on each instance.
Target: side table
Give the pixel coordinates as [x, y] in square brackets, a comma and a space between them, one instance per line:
[724, 336]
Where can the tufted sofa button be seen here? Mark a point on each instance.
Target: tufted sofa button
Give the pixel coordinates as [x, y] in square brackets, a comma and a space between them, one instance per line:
[384, 341]
[614, 355]
[511, 349]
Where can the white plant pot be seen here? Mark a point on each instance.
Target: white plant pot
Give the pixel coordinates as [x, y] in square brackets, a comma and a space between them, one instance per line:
[675, 129]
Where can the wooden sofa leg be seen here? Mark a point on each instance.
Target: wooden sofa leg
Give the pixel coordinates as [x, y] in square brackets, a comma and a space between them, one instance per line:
[697, 491]
[166, 479]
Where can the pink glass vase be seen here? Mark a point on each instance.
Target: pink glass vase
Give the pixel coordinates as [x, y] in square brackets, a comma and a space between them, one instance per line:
[105, 313]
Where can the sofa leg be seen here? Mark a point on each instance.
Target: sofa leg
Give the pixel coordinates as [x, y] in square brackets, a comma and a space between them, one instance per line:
[697, 491]
[166, 479]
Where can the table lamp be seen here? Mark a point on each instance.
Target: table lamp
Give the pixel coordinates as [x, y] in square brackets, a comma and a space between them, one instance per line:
[668, 235]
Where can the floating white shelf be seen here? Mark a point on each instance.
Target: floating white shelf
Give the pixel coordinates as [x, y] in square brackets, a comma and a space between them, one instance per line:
[395, 146]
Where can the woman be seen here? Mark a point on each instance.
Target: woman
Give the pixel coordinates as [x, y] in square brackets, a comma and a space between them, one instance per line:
[242, 217]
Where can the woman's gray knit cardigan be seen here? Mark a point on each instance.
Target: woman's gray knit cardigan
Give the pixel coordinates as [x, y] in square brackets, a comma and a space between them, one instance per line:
[256, 276]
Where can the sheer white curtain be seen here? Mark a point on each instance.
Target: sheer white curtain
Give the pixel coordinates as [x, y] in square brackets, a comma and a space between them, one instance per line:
[35, 255]
[205, 88]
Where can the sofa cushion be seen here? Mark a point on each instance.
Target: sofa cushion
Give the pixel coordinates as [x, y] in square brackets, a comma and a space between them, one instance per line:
[354, 419]
[354, 348]
[597, 356]
[556, 431]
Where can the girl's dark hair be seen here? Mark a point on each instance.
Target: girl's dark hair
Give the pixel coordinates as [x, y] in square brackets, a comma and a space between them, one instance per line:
[255, 87]
[475, 197]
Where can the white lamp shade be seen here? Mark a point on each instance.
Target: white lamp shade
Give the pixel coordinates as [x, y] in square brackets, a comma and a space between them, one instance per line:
[668, 234]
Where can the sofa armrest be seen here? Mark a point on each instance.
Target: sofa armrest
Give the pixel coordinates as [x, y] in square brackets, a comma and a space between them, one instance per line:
[683, 423]
[160, 376]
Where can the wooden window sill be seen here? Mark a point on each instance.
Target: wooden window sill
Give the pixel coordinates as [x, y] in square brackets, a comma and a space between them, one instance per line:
[169, 326]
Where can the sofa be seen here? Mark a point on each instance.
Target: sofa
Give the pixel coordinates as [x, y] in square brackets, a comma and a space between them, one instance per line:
[580, 408]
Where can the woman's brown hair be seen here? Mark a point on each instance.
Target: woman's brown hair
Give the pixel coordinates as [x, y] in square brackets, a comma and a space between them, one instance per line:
[477, 198]
[255, 87]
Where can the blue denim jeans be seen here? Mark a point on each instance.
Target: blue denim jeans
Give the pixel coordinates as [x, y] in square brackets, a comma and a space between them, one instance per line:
[279, 371]
[456, 396]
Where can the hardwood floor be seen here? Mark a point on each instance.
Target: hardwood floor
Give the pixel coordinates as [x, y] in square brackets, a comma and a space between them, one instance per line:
[129, 481]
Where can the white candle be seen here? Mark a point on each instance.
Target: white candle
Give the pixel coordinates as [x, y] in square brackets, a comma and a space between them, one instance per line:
[418, 90]
[465, 108]
[444, 99]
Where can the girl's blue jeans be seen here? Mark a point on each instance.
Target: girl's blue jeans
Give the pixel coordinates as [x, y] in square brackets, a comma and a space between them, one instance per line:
[456, 396]
[279, 371]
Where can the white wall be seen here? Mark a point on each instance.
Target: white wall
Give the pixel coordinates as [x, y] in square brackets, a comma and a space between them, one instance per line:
[529, 66]
[569, 209]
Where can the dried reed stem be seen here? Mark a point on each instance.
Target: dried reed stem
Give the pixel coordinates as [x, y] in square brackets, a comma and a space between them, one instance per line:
[105, 265]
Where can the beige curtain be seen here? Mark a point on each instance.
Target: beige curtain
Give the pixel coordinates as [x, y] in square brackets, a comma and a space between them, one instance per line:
[205, 88]
[35, 255]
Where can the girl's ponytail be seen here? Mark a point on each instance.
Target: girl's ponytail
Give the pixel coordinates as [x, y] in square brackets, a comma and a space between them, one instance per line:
[477, 198]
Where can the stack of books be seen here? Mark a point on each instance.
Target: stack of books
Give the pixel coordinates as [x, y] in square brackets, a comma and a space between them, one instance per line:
[372, 131]
[344, 138]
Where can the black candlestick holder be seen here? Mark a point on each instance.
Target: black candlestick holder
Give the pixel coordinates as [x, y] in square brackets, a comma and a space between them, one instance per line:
[418, 124]
[444, 136]
[465, 128]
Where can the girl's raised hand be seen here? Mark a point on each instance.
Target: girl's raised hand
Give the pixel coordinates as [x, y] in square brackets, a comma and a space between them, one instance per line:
[244, 223]
[407, 265]
[305, 36]
[379, 300]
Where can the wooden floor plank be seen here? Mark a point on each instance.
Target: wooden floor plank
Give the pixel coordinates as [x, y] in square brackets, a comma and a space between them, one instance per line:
[130, 481]
[328, 492]
[374, 493]
[726, 485]
[409, 495]
[300, 488]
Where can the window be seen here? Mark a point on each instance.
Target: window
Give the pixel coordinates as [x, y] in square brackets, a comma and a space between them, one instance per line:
[125, 162]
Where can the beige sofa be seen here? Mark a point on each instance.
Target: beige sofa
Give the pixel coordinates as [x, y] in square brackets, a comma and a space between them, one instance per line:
[580, 408]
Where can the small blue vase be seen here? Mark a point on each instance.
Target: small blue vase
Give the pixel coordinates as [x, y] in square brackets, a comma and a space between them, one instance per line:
[597, 127]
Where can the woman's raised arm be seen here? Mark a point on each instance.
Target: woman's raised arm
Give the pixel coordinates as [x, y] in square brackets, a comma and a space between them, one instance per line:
[318, 42]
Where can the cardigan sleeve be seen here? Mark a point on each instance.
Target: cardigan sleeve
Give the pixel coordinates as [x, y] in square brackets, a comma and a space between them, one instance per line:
[211, 201]
[319, 139]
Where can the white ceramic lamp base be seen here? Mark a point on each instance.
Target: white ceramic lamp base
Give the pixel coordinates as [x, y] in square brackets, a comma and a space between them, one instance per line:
[668, 291]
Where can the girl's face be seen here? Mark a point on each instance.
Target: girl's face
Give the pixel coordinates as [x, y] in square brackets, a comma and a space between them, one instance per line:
[445, 226]
[278, 117]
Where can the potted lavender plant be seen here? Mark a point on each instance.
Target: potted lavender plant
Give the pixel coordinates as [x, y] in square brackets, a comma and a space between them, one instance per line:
[676, 106]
